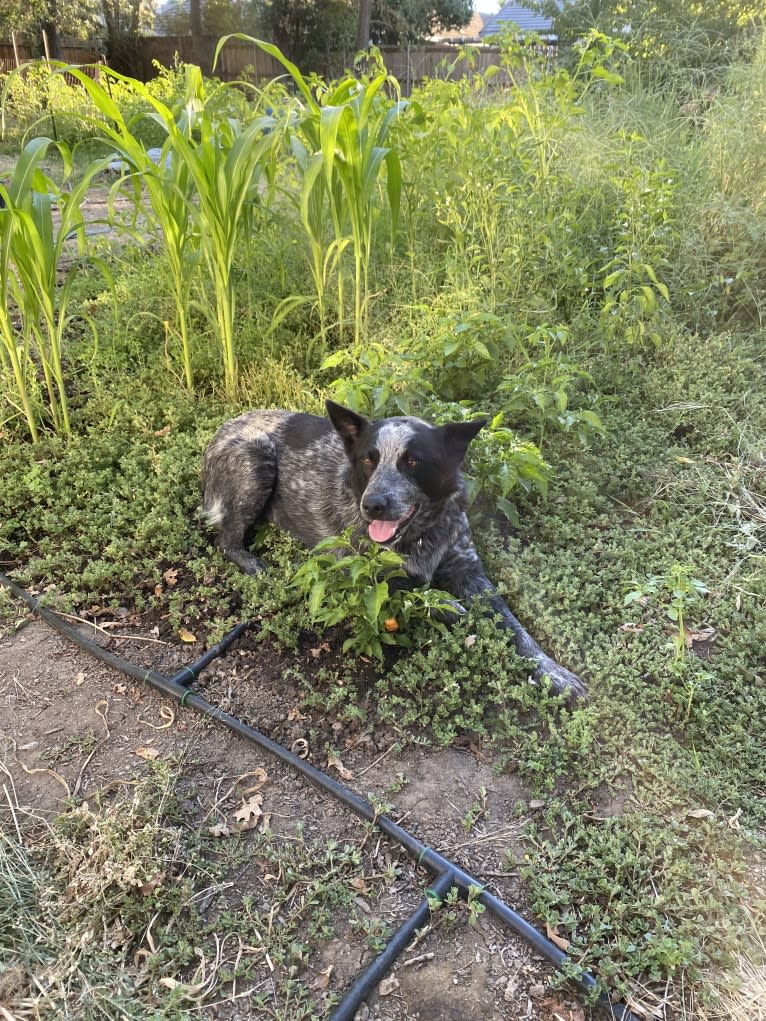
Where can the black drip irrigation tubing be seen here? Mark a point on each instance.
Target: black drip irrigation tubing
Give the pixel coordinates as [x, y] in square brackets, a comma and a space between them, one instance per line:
[446, 873]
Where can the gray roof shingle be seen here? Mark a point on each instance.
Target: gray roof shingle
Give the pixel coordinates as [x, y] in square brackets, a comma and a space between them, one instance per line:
[528, 21]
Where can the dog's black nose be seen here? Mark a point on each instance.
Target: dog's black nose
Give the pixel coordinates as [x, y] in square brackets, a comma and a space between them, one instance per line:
[374, 506]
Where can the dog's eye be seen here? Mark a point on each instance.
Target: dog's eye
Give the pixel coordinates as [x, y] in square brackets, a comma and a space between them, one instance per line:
[367, 461]
[412, 462]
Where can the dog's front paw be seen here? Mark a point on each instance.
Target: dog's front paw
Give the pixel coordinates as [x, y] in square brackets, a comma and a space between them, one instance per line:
[247, 562]
[563, 681]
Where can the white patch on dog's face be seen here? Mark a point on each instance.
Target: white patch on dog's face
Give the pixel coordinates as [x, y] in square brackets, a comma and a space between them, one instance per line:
[392, 439]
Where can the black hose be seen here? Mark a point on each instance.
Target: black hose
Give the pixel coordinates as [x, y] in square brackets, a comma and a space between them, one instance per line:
[436, 864]
[366, 981]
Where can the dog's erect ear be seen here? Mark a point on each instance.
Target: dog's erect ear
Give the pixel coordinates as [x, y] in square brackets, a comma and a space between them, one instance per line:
[457, 436]
[347, 423]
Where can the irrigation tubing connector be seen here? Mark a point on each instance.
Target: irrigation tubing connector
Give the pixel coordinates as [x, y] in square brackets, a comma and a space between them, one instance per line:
[446, 873]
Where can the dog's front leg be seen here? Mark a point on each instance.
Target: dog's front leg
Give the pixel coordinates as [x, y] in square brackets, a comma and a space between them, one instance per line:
[461, 572]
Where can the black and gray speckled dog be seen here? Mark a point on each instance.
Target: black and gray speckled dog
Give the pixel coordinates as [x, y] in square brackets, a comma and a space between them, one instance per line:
[398, 478]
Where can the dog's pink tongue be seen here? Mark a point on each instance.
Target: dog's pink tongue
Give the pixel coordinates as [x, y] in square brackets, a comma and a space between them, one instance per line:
[382, 531]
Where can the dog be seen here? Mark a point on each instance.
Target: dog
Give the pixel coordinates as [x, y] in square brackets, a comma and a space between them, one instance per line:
[399, 479]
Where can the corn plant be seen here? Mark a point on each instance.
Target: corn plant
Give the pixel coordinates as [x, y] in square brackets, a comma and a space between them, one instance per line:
[341, 148]
[33, 243]
[209, 172]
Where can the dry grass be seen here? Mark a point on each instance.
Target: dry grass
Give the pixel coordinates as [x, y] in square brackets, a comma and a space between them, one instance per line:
[741, 994]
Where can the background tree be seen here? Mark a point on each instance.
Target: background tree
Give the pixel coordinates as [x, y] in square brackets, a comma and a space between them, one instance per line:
[320, 35]
[77, 19]
[124, 22]
[411, 21]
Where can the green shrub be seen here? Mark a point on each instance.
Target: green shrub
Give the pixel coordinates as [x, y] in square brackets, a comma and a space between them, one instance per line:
[360, 590]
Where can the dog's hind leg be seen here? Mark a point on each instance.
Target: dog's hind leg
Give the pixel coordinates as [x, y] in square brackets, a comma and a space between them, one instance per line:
[238, 478]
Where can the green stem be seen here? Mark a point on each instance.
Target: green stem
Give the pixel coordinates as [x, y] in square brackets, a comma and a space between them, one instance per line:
[21, 387]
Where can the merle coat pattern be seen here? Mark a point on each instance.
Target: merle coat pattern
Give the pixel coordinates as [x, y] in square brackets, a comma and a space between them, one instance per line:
[399, 479]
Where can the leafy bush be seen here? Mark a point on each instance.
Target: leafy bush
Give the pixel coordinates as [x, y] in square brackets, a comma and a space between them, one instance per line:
[363, 590]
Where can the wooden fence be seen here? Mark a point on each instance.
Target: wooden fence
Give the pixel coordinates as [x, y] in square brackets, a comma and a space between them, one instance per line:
[409, 65]
[13, 54]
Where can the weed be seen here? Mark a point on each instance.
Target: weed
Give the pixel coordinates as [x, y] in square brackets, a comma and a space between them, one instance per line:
[679, 591]
[633, 869]
[644, 234]
[477, 811]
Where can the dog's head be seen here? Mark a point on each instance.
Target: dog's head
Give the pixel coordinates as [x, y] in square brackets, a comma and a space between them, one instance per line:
[403, 468]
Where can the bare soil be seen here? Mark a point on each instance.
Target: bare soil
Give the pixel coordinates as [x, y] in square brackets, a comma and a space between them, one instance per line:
[70, 726]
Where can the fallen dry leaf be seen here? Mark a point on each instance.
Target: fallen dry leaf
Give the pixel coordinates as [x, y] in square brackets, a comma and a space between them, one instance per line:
[147, 753]
[219, 829]
[359, 884]
[700, 813]
[333, 762]
[388, 985]
[170, 576]
[249, 813]
[321, 980]
[186, 636]
[157, 880]
[703, 634]
[79, 678]
[322, 647]
[469, 640]
[300, 747]
[260, 776]
[560, 941]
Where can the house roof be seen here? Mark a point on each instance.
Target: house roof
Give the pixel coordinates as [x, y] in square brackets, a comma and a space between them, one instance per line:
[527, 21]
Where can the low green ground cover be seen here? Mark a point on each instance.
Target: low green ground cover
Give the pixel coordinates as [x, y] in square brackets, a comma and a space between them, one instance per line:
[592, 279]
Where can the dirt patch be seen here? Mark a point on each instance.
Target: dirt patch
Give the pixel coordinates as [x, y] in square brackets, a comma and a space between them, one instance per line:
[71, 727]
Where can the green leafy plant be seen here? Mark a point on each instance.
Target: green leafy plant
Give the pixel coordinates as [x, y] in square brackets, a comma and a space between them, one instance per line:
[540, 389]
[644, 232]
[360, 588]
[634, 868]
[478, 810]
[677, 591]
[379, 381]
[499, 462]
